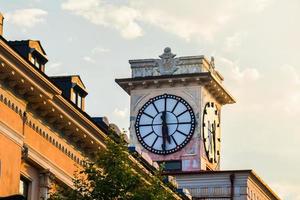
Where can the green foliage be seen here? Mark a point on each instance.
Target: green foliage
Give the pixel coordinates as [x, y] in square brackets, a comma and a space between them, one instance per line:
[111, 177]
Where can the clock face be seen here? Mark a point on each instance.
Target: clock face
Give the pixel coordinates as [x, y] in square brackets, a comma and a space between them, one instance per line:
[211, 132]
[165, 124]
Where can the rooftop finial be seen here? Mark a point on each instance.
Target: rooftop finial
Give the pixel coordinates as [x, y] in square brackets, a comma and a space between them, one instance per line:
[167, 54]
[1, 24]
[212, 62]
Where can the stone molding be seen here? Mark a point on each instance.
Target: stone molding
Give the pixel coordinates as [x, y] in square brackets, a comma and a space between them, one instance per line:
[45, 163]
[11, 134]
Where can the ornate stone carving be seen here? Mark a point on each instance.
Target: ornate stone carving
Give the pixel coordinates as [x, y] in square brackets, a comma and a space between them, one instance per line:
[168, 62]
[24, 152]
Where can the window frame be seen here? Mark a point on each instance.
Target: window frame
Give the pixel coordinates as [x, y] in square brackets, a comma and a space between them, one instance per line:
[28, 182]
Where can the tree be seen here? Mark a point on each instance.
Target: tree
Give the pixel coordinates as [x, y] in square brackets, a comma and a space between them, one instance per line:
[112, 176]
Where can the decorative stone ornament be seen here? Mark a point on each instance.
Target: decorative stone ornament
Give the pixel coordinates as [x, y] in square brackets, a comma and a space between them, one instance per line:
[168, 62]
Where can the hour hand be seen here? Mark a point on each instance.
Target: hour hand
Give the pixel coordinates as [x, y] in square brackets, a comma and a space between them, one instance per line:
[164, 130]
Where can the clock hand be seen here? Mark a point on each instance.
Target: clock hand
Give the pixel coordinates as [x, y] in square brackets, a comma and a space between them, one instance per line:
[214, 137]
[166, 125]
[163, 130]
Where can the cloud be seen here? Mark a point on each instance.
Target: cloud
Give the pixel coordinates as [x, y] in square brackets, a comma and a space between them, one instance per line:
[100, 50]
[88, 59]
[194, 19]
[261, 5]
[26, 18]
[188, 21]
[234, 41]
[122, 18]
[121, 113]
[287, 190]
[53, 67]
[234, 72]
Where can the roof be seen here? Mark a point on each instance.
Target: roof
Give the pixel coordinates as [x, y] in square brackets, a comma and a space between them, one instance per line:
[69, 76]
[26, 42]
[251, 173]
[99, 125]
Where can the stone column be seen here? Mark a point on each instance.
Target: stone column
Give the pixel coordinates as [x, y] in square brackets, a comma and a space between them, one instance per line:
[45, 184]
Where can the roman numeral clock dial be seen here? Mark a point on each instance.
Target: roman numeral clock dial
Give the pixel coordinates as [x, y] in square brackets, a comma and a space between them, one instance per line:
[165, 124]
[211, 132]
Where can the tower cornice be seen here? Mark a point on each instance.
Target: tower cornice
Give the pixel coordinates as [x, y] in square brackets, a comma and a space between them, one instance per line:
[207, 79]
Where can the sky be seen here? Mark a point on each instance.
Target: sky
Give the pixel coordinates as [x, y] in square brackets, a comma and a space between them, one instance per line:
[256, 47]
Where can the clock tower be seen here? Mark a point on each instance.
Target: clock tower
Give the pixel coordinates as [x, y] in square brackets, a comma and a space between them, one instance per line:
[175, 110]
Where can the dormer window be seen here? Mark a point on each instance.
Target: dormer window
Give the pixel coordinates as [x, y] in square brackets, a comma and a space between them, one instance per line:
[36, 62]
[72, 88]
[77, 99]
[31, 50]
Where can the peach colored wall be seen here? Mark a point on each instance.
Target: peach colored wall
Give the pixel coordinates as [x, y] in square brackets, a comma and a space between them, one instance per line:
[49, 151]
[10, 152]
[10, 156]
[10, 118]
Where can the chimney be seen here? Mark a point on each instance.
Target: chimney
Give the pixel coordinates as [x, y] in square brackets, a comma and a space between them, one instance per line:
[1, 24]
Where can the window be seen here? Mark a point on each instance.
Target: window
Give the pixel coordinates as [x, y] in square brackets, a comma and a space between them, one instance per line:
[36, 62]
[174, 165]
[77, 99]
[24, 187]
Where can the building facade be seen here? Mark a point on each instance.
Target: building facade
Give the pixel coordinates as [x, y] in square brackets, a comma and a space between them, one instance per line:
[45, 134]
[175, 117]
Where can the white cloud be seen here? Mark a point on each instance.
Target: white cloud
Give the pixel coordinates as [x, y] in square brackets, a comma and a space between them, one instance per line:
[287, 190]
[190, 20]
[88, 59]
[234, 72]
[261, 5]
[121, 18]
[292, 73]
[100, 50]
[234, 41]
[121, 113]
[194, 19]
[26, 17]
[53, 67]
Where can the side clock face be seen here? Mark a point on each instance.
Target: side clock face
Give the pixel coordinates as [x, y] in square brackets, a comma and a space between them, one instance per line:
[211, 132]
[165, 124]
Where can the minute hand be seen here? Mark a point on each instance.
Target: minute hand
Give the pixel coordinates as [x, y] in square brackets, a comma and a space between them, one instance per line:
[164, 130]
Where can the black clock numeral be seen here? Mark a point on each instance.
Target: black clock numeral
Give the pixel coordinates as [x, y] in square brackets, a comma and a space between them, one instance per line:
[154, 142]
[148, 115]
[155, 107]
[174, 140]
[175, 106]
[181, 132]
[147, 135]
[216, 112]
[180, 123]
[181, 113]
[165, 109]
[146, 124]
